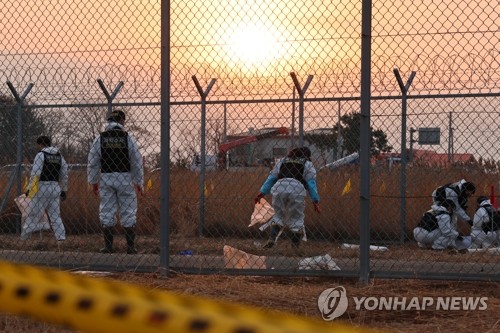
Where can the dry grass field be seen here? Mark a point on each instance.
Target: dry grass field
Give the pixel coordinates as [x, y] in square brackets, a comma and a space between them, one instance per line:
[227, 210]
[229, 201]
[299, 295]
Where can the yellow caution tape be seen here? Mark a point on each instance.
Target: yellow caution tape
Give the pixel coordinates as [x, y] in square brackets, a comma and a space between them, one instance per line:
[101, 305]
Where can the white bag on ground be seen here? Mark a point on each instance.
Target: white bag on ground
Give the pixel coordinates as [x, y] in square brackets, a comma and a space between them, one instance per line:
[319, 263]
[493, 250]
[234, 258]
[347, 246]
[22, 203]
[262, 213]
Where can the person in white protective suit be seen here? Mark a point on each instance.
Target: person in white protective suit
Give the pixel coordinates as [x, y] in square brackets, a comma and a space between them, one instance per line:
[485, 231]
[115, 171]
[289, 182]
[441, 232]
[459, 192]
[47, 186]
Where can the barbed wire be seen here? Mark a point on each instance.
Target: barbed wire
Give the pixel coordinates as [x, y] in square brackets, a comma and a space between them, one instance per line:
[452, 72]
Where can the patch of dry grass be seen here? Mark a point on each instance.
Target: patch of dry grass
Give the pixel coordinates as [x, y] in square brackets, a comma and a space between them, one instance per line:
[228, 207]
[229, 202]
[298, 295]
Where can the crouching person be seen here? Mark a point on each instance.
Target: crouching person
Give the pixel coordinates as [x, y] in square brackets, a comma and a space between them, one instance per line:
[485, 231]
[437, 229]
[289, 182]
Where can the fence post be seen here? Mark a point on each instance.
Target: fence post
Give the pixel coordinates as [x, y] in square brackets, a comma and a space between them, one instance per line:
[292, 127]
[404, 92]
[203, 95]
[109, 97]
[19, 142]
[165, 138]
[364, 143]
[301, 92]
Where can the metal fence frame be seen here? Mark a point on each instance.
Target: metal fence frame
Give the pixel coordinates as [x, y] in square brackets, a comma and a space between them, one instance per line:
[165, 262]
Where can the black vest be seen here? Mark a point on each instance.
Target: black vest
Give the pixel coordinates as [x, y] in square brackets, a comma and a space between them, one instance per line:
[493, 223]
[51, 167]
[114, 151]
[441, 195]
[293, 168]
[429, 220]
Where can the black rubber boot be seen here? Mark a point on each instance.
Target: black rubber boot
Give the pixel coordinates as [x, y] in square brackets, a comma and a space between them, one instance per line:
[296, 238]
[130, 237]
[108, 241]
[275, 230]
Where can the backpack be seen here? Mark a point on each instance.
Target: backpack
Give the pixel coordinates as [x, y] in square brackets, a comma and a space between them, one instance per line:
[494, 222]
[441, 196]
[429, 220]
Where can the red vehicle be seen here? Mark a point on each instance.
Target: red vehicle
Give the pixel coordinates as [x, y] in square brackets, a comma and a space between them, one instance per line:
[225, 147]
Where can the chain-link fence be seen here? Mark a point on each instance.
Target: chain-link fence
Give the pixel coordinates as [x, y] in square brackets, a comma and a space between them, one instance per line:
[246, 82]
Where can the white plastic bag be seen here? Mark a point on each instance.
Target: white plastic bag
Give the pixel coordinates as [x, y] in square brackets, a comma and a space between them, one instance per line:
[324, 262]
[356, 247]
[262, 212]
[22, 203]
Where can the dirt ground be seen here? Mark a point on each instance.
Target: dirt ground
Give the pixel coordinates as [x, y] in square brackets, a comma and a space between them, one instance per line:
[299, 295]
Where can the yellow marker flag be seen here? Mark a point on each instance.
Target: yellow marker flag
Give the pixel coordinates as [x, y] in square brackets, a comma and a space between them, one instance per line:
[25, 184]
[149, 185]
[208, 189]
[34, 188]
[382, 187]
[205, 189]
[347, 187]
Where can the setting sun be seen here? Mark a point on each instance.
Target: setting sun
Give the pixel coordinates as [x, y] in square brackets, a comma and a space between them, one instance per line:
[252, 44]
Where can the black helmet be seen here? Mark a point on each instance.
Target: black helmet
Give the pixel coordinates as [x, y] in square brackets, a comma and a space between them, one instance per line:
[44, 141]
[481, 199]
[117, 115]
[306, 152]
[469, 187]
[448, 203]
[299, 152]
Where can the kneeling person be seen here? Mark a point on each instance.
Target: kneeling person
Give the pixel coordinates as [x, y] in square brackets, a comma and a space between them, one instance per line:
[437, 230]
[486, 225]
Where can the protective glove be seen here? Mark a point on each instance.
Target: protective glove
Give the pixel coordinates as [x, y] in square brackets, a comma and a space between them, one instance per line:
[139, 190]
[63, 195]
[317, 209]
[258, 197]
[95, 188]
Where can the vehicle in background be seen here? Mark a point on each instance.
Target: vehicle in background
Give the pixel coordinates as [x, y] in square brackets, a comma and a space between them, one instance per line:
[225, 147]
[210, 163]
[347, 160]
[220, 161]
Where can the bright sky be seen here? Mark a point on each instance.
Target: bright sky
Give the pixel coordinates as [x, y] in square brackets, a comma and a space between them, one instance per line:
[249, 46]
[261, 39]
